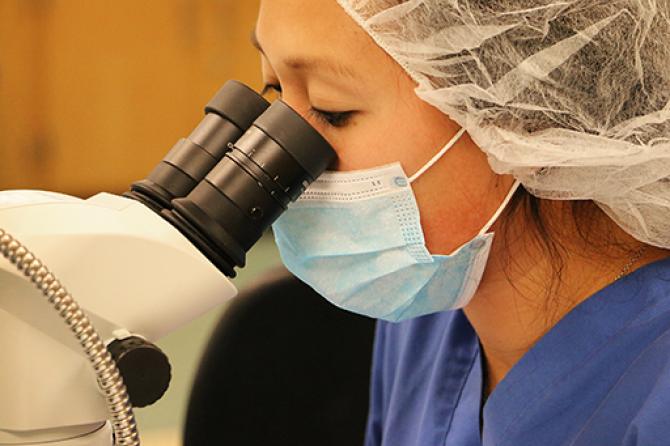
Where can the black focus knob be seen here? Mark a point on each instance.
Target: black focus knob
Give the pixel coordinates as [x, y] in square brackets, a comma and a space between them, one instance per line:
[144, 367]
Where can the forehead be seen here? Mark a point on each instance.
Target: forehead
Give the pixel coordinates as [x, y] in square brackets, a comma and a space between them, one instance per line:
[301, 30]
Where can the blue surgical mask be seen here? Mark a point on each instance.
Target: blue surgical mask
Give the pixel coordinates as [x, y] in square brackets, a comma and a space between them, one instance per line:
[356, 239]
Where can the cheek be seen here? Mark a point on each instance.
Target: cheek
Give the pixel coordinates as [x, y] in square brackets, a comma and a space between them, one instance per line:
[406, 136]
[456, 198]
[365, 153]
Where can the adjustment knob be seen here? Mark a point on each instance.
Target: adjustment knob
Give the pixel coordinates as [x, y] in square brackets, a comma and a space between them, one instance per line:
[144, 367]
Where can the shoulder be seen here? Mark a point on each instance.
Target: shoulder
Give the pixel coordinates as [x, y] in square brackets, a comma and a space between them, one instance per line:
[640, 399]
[649, 375]
[636, 359]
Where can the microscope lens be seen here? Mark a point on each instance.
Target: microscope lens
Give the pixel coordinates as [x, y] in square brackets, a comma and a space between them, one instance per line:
[227, 116]
[268, 167]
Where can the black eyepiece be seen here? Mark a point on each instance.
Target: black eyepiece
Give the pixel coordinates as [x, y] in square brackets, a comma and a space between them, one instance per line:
[225, 184]
[227, 116]
[262, 172]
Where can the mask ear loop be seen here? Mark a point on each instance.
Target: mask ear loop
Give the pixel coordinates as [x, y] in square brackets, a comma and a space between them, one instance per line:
[437, 157]
[502, 207]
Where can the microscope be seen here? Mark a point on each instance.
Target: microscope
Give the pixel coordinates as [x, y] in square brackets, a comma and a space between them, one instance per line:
[123, 271]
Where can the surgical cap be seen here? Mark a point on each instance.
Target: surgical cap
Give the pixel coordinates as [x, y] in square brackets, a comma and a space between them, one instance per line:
[571, 97]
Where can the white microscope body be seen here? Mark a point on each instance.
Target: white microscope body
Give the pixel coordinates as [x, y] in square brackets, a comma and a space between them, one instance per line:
[131, 271]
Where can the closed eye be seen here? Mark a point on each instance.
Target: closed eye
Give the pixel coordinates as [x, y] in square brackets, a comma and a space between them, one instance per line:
[335, 119]
[332, 118]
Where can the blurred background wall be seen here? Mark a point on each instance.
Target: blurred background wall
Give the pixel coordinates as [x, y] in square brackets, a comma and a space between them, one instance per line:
[93, 93]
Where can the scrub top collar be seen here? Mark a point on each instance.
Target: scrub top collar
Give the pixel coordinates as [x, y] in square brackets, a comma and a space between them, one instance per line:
[586, 329]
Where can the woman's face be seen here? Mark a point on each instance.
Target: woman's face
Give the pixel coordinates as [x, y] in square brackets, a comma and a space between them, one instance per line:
[363, 103]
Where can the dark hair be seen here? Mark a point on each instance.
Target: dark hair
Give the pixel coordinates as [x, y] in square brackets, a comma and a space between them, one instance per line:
[591, 225]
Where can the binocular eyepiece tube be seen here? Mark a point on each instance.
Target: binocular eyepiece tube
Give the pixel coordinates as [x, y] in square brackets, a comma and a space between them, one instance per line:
[225, 184]
[227, 116]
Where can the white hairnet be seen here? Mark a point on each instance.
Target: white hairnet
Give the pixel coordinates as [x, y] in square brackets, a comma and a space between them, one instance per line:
[571, 97]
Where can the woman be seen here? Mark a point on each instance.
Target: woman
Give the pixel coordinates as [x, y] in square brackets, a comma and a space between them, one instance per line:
[530, 304]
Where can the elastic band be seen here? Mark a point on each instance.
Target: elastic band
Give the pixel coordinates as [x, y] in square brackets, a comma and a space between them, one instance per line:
[436, 158]
[502, 207]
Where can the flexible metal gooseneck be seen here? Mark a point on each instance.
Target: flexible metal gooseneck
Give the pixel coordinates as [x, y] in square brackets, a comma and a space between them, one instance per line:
[108, 375]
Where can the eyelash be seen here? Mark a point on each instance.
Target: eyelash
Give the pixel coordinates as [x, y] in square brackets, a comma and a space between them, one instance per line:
[334, 119]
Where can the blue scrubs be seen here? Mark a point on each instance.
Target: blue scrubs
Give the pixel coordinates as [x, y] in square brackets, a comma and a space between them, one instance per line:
[600, 376]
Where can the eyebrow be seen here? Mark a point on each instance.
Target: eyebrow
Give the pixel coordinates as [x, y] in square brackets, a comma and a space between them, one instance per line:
[299, 63]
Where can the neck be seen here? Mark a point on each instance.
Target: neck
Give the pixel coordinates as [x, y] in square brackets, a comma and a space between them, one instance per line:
[514, 307]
